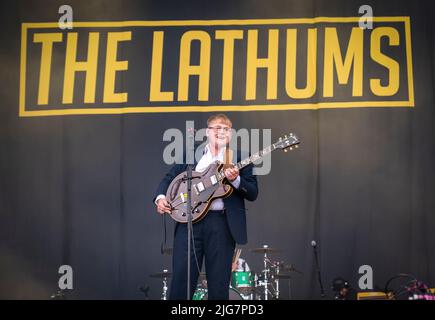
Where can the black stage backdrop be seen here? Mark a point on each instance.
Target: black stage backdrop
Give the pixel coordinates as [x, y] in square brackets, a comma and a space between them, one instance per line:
[77, 189]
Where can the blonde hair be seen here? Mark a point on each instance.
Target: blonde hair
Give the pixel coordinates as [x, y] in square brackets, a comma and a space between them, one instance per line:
[220, 116]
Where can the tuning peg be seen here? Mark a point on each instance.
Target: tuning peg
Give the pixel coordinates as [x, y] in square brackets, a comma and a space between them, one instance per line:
[285, 150]
[280, 139]
[291, 148]
[296, 146]
[285, 136]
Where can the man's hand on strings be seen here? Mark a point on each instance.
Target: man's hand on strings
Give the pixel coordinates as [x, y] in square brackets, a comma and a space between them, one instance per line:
[163, 206]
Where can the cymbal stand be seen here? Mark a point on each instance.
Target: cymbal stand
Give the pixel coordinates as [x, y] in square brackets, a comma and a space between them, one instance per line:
[277, 282]
[264, 282]
[274, 280]
[165, 286]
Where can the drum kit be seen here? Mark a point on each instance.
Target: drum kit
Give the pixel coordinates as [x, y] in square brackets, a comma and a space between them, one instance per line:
[246, 284]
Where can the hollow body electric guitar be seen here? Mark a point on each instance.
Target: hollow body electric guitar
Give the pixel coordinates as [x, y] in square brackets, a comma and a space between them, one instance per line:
[212, 184]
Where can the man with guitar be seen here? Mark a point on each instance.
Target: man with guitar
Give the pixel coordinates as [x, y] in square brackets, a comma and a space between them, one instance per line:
[224, 224]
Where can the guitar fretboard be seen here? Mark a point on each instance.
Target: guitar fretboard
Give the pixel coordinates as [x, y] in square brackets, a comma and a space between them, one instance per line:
[282, 143]
[256, 156]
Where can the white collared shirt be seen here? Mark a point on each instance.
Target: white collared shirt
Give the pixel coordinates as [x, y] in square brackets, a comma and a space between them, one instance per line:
[203, 163]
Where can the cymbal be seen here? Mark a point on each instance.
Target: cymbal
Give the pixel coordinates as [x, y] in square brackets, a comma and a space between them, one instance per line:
[264, 249]
[161, 275]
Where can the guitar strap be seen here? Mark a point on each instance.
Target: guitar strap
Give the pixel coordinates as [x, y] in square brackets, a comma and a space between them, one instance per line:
[228, 157]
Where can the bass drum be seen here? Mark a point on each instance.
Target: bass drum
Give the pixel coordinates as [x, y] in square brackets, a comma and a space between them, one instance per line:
[203, 295]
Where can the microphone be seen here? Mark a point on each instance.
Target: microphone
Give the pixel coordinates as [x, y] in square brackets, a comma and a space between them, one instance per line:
[319, 276]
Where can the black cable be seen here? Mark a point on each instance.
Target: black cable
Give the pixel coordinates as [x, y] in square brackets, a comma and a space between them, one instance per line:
[163, 244]
[194, 252]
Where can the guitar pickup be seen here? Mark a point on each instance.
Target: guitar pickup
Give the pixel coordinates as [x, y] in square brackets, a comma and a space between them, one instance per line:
[199, 187]
[213, 179]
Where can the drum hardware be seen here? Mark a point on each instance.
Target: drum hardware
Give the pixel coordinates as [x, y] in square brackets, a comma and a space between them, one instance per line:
[264, 281]
[246, 284]
[202, 294]
[267, 284]
[264, 249]
[270, 268]
[276, 281]
[287, 275]
[164, 276]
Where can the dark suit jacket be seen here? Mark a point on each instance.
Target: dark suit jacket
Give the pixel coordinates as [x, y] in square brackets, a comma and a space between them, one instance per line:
[234, 204]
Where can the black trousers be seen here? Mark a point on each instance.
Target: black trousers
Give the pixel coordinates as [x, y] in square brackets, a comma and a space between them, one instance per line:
[213, 243]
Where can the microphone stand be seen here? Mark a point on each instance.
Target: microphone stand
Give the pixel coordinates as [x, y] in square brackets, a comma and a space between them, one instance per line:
[189, 224]
[189, 145]
[322, 291]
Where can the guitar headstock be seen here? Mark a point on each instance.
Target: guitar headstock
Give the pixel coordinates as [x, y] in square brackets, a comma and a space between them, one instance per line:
[287, 142]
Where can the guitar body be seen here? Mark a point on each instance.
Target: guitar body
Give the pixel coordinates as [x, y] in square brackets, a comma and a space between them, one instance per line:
[206, 187]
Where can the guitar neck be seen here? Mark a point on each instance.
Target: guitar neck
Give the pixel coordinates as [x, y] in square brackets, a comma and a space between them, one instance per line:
[256, 156]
